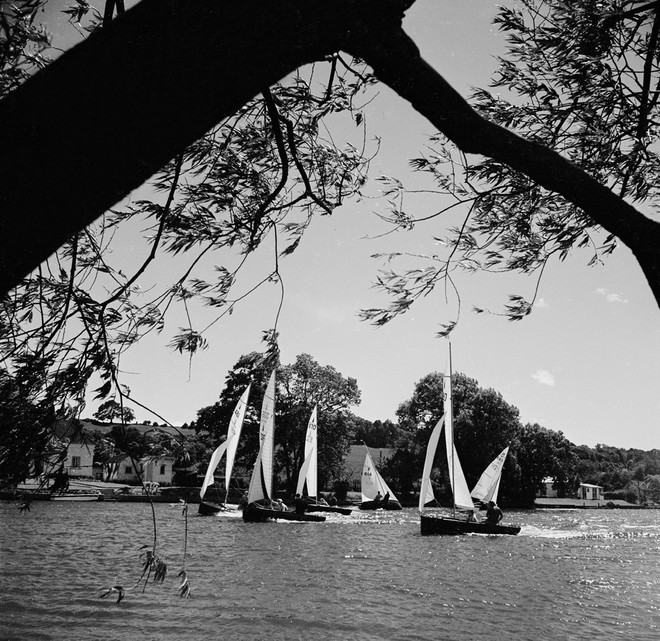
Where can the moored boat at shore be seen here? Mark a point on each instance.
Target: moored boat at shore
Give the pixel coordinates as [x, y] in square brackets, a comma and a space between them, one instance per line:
[77, 496]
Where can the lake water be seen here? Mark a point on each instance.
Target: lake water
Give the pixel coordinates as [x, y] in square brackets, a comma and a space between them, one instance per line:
[569, 574]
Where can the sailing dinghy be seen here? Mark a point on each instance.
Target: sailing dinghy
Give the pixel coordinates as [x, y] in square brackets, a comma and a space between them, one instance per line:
[206, 506]
[259, 506]
[454, 524]
[307, 485]
[374, 485]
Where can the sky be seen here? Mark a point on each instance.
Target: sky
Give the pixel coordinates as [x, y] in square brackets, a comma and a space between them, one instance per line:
[584, 363]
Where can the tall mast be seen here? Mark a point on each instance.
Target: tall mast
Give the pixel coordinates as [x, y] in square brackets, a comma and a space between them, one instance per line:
[449, 422]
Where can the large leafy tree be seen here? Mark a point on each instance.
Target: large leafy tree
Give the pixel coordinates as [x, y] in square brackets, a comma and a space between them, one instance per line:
[538, 453]
[305, 384]
[300, 386]
[111, 410]
[484, 424]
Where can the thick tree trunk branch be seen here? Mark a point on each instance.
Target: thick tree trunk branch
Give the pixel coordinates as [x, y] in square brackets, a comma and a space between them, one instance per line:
[174, 68]
[162, 74]
[400, 66]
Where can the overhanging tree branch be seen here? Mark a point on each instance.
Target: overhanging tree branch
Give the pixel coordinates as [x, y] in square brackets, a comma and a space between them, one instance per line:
[177, 67]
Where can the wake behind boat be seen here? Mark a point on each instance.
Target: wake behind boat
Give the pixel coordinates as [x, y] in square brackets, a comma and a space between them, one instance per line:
[256, 513]
[325, 507]
[462, 499]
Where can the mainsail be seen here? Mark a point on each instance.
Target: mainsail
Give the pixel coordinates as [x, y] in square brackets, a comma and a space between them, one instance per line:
[229, 445]
[488, 484]
[373, 482]
[459, 485]
[261, 483]
[426, 490]
[308, 470]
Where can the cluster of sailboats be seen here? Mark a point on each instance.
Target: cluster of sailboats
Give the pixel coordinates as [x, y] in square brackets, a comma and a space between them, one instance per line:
[259, 504]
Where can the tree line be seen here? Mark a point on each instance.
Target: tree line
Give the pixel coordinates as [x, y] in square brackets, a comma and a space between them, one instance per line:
[484, 424]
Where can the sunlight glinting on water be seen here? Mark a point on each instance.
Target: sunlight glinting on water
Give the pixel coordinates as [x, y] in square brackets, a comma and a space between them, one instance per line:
[567, 575]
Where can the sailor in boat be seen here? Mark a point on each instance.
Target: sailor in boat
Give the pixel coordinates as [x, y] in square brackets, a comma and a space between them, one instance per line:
[301, 504]
[386, 500]
[378, 498]
[493, 513]
[279, 505]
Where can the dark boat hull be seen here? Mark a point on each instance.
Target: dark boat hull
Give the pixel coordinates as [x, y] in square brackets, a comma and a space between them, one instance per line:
[373, 505]
[258, 514]
[448, 525]
[329, 508]
[207, 508]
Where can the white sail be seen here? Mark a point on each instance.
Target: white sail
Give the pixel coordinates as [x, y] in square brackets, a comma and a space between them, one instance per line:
[309, 470]
[373, 482]
[261, 483]
[229, 445]
[234, 433]
[488, 484]
[426, 490]
[213, 463]
[459, 485]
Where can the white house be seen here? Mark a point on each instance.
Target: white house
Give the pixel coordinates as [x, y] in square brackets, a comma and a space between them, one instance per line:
[70, 452]
[588, 492]
[153, 470]
[79, 459]
[547, 489]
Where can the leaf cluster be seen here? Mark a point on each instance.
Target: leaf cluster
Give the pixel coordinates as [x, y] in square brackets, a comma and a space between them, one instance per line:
[255, 181]
[581, 78]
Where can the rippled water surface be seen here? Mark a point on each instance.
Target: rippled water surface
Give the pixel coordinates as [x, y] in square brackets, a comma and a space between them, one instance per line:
[582, 574]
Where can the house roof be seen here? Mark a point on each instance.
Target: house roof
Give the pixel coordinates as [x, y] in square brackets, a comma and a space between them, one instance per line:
[590, 485]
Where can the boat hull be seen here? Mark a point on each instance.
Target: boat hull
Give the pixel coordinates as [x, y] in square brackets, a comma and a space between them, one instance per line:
[374, 505]
[87, 497]
[447, 525]
[258, 514]
[329, 508]
[208, 508]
